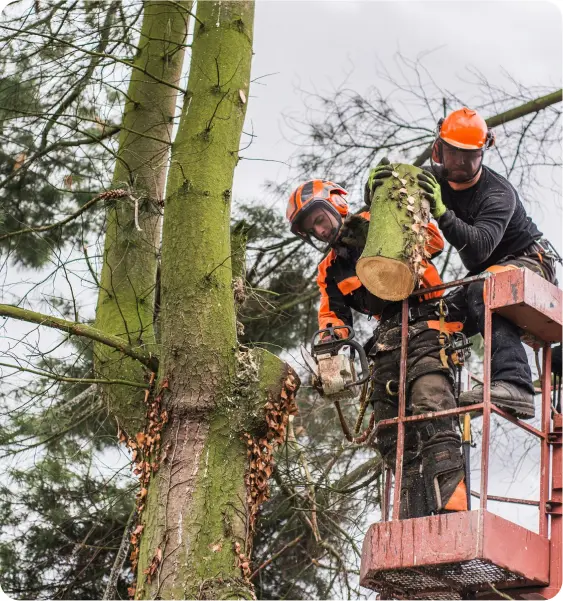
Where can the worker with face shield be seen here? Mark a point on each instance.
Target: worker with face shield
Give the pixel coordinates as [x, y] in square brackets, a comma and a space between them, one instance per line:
[481, 215]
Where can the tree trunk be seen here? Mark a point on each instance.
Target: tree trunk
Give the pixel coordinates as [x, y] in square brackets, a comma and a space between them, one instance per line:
[197, 520]
[391, 262]
[126, 299]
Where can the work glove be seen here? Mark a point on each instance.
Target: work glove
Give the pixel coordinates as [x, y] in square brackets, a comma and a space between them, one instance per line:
[432, 192]
[375, 179]
[340, 333]
[355, 232]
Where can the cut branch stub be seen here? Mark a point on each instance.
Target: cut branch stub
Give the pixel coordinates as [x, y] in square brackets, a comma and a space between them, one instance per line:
[393, 258]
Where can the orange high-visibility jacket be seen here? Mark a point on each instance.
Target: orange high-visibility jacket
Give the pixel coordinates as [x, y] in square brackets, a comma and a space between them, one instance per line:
[341, 289]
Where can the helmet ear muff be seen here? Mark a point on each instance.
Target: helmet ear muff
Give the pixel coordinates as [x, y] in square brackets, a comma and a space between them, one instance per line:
[491, 138]
[436, 151]
[439, 125]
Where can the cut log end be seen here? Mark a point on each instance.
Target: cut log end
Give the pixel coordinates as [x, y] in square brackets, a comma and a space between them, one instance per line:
[389, 279]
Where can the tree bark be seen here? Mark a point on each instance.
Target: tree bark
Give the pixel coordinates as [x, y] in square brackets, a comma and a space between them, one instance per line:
[196, 520]
[391, 262]
[128, 277]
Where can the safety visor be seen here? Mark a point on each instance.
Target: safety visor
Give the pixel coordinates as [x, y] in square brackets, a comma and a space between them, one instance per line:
[314, 224]
[458, 165]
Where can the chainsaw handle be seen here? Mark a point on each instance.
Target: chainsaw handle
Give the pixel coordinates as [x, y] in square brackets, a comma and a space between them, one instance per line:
[336, 343]
[335, 340]
[353, 344]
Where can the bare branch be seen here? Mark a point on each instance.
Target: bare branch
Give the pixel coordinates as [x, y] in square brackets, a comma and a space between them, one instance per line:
[110, 194]
[80, 329]
[52, 376]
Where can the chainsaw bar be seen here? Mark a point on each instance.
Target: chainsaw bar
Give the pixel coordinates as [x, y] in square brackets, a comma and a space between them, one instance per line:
[309, 361]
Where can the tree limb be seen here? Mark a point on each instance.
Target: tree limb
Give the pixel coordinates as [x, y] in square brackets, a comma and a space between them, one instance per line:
[297, 301]
[58, 378]
[111, 587]
[371, 465]
[80, 329]
[276, 555]
[112, 57]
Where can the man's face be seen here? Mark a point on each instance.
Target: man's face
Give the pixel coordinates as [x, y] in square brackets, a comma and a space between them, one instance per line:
[320, 223]
[461, 165]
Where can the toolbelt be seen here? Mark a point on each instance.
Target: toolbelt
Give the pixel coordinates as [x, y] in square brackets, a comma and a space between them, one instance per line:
[451, 343]
[540, 256]
[547, 255]
[429, 311]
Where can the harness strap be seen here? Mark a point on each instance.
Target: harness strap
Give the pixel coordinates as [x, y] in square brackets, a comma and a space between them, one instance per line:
[443, 335]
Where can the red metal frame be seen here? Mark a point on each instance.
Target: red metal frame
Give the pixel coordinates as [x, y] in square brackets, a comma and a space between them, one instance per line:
[501, 295]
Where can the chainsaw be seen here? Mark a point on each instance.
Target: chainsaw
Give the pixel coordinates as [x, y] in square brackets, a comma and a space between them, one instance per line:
[333, 372]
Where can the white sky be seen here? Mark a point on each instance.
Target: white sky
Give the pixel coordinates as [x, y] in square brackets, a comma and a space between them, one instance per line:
[316, 45]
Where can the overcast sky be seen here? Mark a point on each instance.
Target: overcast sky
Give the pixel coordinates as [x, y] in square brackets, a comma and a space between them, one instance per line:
[316, 45]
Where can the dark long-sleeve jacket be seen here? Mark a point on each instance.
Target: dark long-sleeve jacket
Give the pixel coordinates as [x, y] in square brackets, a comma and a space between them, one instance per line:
[341, 289]
[486, 222]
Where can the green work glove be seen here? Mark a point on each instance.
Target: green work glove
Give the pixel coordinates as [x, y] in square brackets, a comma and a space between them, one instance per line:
[432, 193]
[381, 171]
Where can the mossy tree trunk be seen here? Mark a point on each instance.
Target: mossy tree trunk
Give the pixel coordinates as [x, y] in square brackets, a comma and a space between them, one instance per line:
[126, 299]
[197, 515]
[392, 261]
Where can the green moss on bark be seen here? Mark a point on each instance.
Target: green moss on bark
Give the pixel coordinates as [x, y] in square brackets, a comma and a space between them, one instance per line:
[198, 318]
[196, 515]
[126, 299]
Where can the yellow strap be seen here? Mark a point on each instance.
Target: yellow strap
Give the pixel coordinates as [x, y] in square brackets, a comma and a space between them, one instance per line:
[443, 334]
[466, 428]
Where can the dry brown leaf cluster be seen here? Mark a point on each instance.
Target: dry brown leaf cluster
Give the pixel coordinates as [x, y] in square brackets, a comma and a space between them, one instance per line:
[155, 562]
[147, 457]
[243, 561]
[415, 250]
[19, 161]
[260, 453]
[67, 181]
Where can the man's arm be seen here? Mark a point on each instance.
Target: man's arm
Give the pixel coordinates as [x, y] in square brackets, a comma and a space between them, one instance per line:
[477, 242]
[333, 311]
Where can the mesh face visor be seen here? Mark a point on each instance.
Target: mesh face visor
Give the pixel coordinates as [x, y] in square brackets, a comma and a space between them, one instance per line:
[458, 165]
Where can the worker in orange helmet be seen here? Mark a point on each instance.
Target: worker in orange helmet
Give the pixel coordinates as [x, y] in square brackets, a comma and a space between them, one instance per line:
[481, 215]
[433, 476]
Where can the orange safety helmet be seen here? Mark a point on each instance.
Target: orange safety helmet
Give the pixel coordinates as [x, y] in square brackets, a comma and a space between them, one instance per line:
[313, 194]
[457, 153]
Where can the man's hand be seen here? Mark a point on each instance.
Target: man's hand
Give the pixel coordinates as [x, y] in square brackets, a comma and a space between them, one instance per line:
[375, 179]
[432, 193]
[354, 232]
[338, 334]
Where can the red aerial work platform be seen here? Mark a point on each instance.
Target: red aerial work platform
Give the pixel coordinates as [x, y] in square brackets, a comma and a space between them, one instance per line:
[477, 554]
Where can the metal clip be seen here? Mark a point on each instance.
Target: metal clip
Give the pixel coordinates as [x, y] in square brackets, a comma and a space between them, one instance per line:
[388, 389]
[443, 308]
[552, 249]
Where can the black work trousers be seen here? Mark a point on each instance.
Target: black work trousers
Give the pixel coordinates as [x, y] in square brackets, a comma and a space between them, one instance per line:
[432, 463]
[509, 361]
